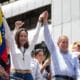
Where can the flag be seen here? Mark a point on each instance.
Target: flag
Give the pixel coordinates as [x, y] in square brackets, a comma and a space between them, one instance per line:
[3, 48]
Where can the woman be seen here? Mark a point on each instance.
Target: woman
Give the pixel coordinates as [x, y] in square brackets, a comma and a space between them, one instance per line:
[21, 52]
[40, 57]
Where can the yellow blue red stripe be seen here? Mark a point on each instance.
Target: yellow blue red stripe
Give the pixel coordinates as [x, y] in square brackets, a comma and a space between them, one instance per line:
[3, 49]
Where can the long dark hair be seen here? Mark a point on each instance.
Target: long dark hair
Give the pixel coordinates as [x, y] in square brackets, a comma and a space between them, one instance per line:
[17, 35]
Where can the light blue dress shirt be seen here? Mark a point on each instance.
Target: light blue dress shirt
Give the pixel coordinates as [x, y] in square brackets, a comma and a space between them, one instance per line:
[63, 64]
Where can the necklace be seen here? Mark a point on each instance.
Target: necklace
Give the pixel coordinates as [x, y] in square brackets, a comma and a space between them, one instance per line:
[23, 57]
[23, 51]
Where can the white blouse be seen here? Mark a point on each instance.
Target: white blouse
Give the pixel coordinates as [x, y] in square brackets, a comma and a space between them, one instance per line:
[17, 61]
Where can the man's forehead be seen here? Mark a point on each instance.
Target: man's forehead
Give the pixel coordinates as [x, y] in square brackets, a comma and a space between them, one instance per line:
[63, 37]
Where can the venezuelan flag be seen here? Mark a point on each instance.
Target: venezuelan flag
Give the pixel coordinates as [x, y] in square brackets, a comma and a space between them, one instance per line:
[3, 49]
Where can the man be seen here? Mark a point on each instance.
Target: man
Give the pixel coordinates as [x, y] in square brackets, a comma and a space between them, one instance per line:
[66, 65]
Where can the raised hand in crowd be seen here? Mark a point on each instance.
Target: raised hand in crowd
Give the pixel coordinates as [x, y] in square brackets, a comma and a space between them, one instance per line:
[18, 24]
[44, 17]
[3, 73]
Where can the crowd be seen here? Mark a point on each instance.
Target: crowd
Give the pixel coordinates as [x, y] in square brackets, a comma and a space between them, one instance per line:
[29, 63]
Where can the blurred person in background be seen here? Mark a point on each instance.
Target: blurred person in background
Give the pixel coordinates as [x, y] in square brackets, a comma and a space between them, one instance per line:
[40, 56]
[35, 68]
[75, 48]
